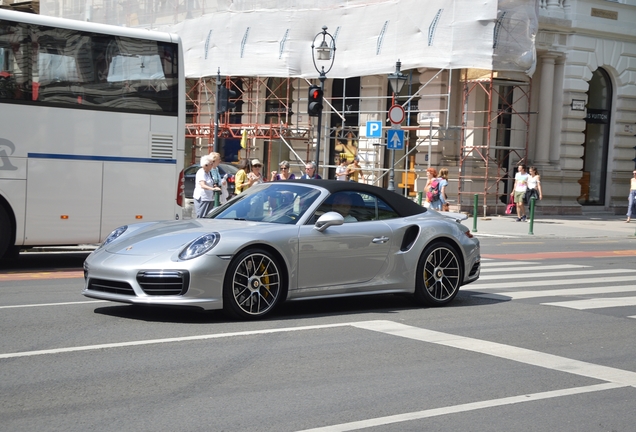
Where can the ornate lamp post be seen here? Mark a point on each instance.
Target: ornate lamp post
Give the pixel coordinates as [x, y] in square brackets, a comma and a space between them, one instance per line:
[397, 80]
[325, 52]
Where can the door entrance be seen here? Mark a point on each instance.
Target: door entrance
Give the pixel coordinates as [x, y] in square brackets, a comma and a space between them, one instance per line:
[596, 146]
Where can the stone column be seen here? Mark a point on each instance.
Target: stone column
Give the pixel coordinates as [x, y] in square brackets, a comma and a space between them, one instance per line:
[557, 113]
[544, 121]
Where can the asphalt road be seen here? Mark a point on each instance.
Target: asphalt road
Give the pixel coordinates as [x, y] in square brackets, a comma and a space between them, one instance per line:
[514, 351]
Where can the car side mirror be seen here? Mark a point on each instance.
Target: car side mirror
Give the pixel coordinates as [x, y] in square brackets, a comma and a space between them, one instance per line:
[328, 219]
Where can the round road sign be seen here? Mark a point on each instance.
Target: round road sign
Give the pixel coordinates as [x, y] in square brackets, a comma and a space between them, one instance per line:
[396, 114]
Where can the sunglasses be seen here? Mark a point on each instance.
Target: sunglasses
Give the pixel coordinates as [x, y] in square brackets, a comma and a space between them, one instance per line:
[257, 166]
[284, 168]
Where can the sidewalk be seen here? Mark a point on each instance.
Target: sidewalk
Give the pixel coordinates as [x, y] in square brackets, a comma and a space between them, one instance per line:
[586, 226]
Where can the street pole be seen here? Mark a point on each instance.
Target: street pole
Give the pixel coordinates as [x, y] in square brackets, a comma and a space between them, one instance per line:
[392, 173]
[430, 140]
[322, 78]
[216, 111]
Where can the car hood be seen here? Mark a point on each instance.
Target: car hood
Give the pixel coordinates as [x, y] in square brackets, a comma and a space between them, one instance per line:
[161, 237]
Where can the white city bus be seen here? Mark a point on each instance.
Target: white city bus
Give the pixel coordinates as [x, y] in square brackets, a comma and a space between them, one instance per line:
[92, 121]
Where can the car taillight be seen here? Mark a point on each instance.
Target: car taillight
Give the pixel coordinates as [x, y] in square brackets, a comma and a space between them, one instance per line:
[230, 179]
[180, 189]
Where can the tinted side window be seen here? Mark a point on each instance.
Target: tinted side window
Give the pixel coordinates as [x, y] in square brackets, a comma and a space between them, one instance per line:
[76, 69]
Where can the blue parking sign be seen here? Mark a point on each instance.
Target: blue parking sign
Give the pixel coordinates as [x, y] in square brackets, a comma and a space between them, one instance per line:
[374, 129]
[395, 139]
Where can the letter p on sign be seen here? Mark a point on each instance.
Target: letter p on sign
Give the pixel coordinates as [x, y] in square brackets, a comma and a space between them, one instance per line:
[374, 129]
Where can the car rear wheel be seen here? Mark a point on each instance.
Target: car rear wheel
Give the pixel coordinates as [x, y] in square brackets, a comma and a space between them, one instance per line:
[439, 275]
[253, 285]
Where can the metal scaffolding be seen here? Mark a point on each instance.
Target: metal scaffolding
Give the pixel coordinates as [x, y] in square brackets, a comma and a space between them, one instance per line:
[494, 140]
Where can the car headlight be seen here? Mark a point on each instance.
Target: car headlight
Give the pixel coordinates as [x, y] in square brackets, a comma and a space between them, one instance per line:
[199, 246]
[114, 235]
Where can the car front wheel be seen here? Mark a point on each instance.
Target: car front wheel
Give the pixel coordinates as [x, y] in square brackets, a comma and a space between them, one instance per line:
[253, 285]
[439, 275]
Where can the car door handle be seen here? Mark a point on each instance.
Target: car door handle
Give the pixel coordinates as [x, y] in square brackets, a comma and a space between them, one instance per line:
[380, 240]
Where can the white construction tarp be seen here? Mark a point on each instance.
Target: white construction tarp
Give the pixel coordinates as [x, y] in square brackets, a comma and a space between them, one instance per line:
[369, 38]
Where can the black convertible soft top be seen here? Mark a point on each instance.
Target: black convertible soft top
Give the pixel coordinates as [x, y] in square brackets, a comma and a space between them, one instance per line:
[403, 206]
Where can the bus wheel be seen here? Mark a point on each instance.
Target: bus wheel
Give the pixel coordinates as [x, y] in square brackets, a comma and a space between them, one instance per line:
[7, 250]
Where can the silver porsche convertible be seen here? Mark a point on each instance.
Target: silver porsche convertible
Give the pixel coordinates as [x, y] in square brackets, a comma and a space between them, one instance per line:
[287, 241]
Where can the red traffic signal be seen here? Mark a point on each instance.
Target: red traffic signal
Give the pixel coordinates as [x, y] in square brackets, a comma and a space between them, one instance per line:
[314, 105]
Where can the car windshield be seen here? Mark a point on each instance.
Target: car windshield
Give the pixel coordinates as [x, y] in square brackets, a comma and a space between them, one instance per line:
[282, 203]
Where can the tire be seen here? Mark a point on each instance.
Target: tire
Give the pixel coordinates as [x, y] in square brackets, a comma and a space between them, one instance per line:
[7, 250]
[253, 285]
[439, 275]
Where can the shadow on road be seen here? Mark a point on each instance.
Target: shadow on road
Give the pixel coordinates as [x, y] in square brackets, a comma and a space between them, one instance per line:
[45, 261]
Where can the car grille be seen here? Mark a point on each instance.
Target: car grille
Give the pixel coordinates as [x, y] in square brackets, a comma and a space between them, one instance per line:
[163, 283]
[108, 286]
[475, 269]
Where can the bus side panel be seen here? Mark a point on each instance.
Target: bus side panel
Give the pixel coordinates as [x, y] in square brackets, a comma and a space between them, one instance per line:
[63, 201]
[137, 192]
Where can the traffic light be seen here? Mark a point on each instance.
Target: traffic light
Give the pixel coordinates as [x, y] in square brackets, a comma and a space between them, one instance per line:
[314, 105]
[224, 103]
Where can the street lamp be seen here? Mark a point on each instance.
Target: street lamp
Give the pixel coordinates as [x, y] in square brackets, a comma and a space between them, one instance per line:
[397, 80]
[326, 51]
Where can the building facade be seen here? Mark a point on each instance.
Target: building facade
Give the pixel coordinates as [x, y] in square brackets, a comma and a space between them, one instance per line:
[572, 113]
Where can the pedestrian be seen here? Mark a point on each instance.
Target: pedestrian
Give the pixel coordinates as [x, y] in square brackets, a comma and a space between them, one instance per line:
[205, 187]
[240, 178]
[310, 171]
[631, 199]
[255, 176]
[354, 170]
[431, 174]
[284, 172]
[443, 183]
[341, 169]
[534, 185]
[519, 192]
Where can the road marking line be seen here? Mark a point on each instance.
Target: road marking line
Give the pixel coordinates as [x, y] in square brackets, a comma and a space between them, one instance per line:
[524, 268]
[598, 303]
[417, 415]
[166, 340]
[41, 275]
[508, 352]
[563, 273]
[562, 255]
[52, 304]
[492, 263]
[512, 283]
[517, 295]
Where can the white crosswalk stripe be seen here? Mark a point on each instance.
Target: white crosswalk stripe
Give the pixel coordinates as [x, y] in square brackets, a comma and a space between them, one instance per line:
[591, 289]
[524, 268]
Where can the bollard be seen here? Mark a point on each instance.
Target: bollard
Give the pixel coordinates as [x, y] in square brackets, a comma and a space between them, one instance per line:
[419, 198]
[532, 200]
[476, 203]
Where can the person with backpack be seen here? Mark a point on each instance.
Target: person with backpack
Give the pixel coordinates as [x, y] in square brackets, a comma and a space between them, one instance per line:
[443, 196]
[432, 189]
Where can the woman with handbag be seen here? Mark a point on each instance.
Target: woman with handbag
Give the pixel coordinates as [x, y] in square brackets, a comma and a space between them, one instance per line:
[534, 185]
